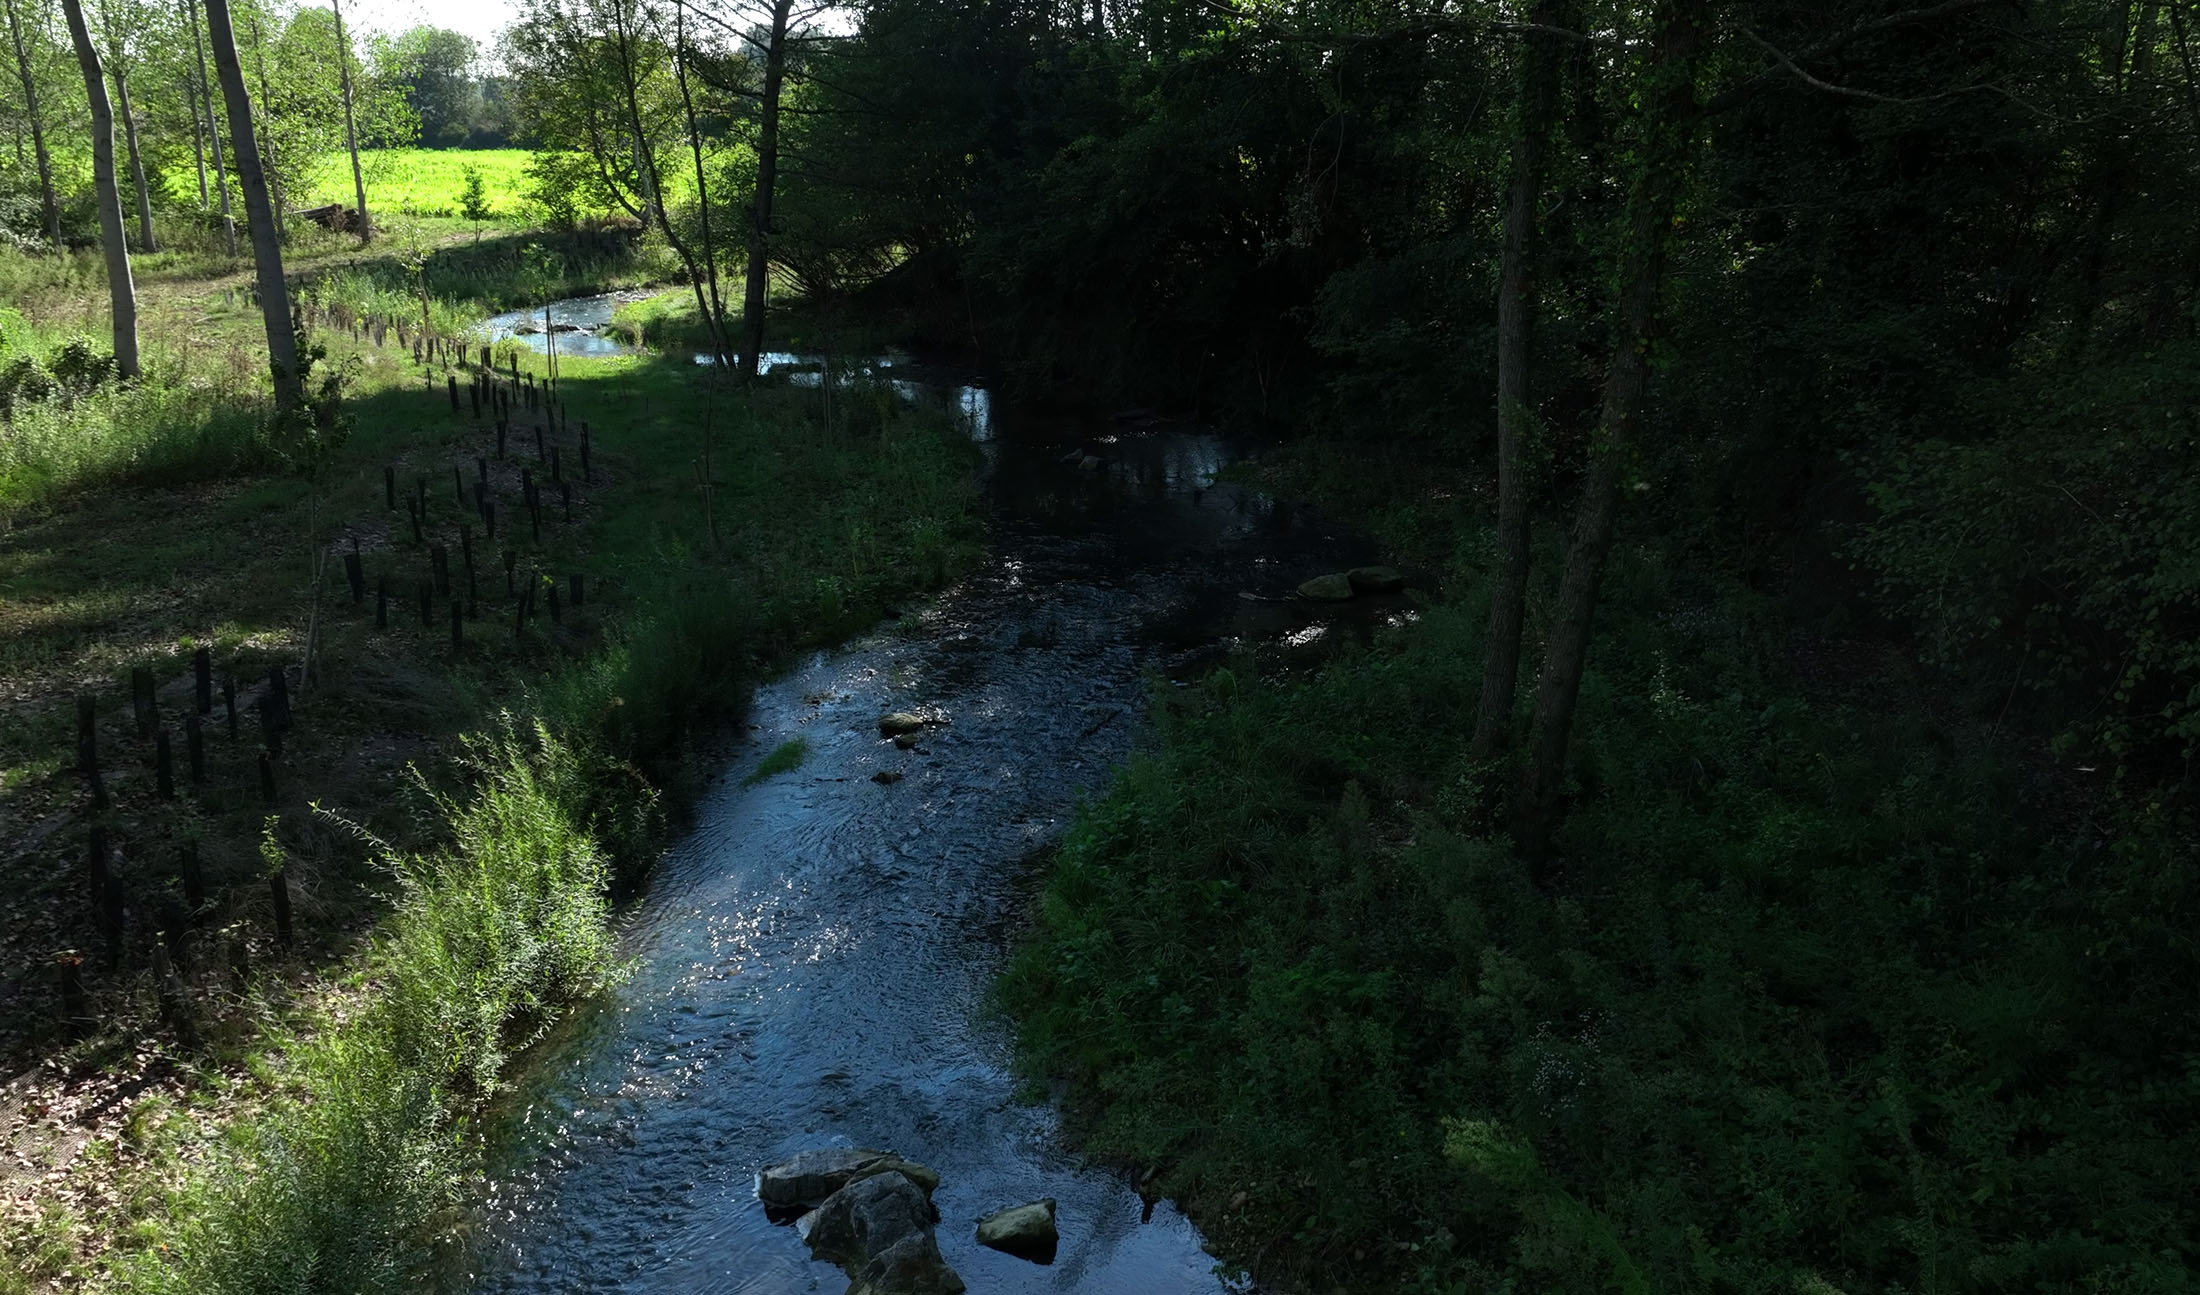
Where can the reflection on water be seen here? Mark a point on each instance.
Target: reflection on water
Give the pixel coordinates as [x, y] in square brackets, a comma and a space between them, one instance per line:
[811, 960]
[576, 323]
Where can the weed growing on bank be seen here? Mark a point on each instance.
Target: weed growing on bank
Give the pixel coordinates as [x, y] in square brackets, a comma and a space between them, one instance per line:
[1829, 995]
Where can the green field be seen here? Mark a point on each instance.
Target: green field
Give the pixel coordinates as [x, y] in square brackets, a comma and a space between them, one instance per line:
[425, 181]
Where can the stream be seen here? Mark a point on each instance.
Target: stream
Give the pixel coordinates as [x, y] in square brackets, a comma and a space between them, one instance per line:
[810, 961]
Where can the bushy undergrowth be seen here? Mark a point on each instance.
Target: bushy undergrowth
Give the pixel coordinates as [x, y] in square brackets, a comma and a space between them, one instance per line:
[68, 423]
[334, 1185]
[1831, 998]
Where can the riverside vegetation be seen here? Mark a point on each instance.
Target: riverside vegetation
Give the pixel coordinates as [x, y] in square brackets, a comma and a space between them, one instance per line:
[1765, 864]
[316, 1127]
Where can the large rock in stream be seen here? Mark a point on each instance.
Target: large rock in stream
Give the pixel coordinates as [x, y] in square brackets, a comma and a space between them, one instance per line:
[1026, 1231]
[879, 1230]
[1334, 588]
[804, 1182]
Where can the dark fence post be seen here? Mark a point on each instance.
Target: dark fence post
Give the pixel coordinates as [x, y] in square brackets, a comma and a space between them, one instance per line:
[452, 381]
[87, 730]
[202, 679]
[439, 566]
[278, 885]
[142, 703]
[194, 880]
[271, 728]
[229, 701]
[355, 575]
[71, 967]
[427, 611]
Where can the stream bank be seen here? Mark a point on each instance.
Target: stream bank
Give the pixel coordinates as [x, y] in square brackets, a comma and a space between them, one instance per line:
[812, 960]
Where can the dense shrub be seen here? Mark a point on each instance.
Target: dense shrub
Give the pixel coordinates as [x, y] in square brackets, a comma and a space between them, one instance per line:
[1830, 997]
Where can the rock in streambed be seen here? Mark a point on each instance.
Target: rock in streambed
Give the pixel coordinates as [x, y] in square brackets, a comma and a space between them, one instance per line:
[1026, 1231]
[879, 1230]
[804, 1182]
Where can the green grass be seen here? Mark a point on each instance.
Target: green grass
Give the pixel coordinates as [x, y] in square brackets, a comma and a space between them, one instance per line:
[784, 758]
[424, 181]
[132, 545]
[1831, 995]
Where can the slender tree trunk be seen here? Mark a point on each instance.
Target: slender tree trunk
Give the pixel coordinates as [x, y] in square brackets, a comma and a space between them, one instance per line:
[645, 163]
[137, 162]
[120, 290]
[1516, 309]
[1669, 117]
[213, 133]
[272, 172]
[767, 174]
[38, 125]
[351, 134]
[198, 139]
[715, 315]
[267, 251]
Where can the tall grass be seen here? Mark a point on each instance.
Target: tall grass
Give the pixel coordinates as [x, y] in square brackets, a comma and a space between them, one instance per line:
[184, 419]
[336, 1186]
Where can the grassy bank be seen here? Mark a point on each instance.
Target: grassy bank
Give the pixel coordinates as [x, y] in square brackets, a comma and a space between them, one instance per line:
[1837, 993]
[312, 1120]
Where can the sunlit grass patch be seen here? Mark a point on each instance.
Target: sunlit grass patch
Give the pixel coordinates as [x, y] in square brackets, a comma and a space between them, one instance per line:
[425, 181]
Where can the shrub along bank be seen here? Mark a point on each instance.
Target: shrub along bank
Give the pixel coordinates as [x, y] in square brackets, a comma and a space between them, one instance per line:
[1834, 992]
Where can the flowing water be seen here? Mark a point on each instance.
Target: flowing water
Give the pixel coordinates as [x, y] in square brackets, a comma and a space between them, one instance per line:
[810, 961]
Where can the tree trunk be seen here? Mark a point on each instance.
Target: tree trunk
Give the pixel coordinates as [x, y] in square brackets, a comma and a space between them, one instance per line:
[767, 173]
[120, 290]
[272, 174]
[645, 164]
[267, 251]
[198, 139]
[213, 132]
[38, 126]
[351, 134]
[1516, 308]
[137, 163]
[715, 313]
[1669, 116]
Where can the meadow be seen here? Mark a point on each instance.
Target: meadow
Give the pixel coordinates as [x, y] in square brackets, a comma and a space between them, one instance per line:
[425, 181]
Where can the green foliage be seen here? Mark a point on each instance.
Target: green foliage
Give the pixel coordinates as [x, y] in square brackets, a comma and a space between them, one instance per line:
[2046, 545]
[69, 426]
[339, 1184]
[473, 198]
[1830, 997]
[555, 188]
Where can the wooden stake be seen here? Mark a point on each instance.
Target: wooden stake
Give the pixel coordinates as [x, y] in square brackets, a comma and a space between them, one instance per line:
[278, 885]
[202, 679]
[142, 702]
[164, 769]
